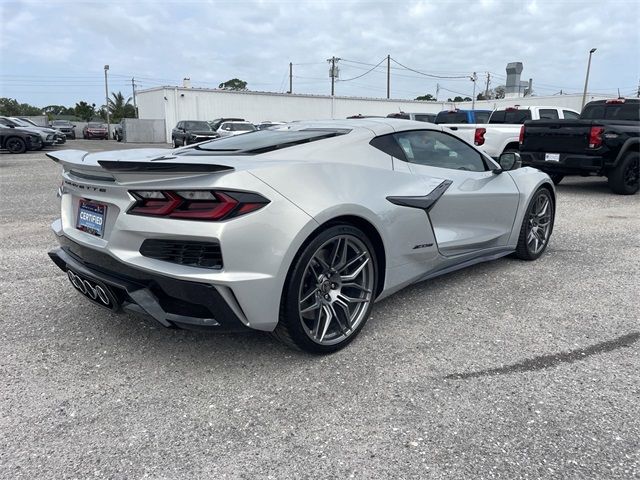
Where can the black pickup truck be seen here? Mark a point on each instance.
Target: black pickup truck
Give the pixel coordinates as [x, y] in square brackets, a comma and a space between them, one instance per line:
[605, 141]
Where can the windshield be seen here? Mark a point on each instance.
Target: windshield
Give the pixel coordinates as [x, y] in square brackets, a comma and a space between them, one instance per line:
[242, 127]
[22, 123]
[514, 117]
[482, 117]
[62, 123]
[95, 125]
[203, 126]
[261, 141]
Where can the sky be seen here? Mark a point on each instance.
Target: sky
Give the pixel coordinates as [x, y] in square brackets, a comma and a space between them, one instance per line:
[53, 52]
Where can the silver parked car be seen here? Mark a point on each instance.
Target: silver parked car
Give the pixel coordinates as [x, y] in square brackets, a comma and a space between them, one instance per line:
[295, 230]
[229, 129]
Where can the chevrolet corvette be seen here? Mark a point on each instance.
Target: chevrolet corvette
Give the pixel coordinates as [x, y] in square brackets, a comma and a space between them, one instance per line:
[295, 230]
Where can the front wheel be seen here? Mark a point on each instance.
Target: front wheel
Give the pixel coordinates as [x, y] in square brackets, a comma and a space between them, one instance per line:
[329, 291]
[625, 178]
[537, 226]
[15, 145]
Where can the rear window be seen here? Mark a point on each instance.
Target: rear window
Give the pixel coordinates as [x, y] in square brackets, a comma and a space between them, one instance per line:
[452, 117]
[569, 115]
[549, 114]
[517, 117]
[614, 111]
[482, 117]
[425, 118]
[404, 116]
[262, 141]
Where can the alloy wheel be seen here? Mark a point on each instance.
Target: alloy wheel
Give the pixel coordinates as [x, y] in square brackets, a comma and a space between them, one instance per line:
[15, 145]
[336, 290]
[632, 173]
[539, 224]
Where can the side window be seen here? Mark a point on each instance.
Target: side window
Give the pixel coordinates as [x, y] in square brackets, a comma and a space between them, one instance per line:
[548, 114]
[568, 114]
[438, 149]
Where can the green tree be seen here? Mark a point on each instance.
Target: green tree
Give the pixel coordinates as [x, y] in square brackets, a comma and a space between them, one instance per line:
[428, 98]
[11, 108]
[233, 84]
[55, 110]
[85, 111]
[120, 108]
[499, 91]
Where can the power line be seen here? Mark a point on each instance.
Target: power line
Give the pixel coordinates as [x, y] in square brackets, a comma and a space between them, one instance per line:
[427, 74]
[365, 73]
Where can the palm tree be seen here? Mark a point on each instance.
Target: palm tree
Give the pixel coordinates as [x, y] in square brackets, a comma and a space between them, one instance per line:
[120, 108]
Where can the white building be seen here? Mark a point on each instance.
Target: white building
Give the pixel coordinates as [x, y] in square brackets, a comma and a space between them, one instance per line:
[173, 104]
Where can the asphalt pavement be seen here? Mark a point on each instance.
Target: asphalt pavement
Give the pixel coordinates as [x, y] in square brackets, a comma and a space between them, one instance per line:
[508, 369]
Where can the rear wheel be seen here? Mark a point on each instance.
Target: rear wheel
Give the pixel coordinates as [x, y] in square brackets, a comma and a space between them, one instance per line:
[556, 178]
[329, 291]
[536, 226]
[15, 145]
[625, 178]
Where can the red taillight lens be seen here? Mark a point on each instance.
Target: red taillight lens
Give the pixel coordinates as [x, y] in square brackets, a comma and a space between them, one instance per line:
[478, 137]
[195, 204]
[615, 100]
[595, 137]
[521, 138]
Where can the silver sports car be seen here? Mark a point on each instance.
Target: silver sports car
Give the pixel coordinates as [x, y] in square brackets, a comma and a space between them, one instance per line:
[295, 230]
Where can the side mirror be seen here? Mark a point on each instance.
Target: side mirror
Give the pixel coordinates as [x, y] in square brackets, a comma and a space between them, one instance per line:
[510, 161]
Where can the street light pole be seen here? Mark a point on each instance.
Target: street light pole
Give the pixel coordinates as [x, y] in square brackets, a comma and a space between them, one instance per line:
[106, 97]
[586, 80]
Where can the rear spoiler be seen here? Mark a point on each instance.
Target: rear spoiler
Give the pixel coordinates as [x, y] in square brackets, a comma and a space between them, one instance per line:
[118, 166]
[156, 162]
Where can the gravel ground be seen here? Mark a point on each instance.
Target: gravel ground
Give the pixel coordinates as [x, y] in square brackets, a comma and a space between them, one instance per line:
[505, 370]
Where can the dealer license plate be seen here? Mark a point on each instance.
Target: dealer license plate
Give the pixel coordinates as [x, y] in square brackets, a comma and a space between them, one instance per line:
[552, 157]
[91, 217]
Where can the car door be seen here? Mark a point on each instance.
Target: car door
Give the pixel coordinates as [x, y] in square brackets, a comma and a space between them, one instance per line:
[477, 210]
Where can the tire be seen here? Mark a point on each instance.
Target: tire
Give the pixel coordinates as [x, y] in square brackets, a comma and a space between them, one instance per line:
[329, 291]
[73, 136]
[625, 178]
[532, 244]
[15, 145]
[184, 142]
[556, 178]
[175, 143]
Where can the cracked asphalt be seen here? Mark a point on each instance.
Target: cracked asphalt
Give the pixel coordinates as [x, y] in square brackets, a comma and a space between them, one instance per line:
[506, 370]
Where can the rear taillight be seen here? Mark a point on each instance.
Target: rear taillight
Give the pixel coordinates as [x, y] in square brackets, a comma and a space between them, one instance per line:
[211, 205]
[478, 137]
[521, 138]
[595, 137]
[615, 100]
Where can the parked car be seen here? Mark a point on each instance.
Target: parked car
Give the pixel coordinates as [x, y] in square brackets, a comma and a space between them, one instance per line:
[60, 138]
[267, 124]
[604, 140]
[215, 124]
[418, 117]
[66, 127]
[19, 140]
[118, 132]
[257, 231]
[360, 116]
[187, 132]
[47, 135]
[502, 132]
[457, 116]
[235, 128]
[95, 130]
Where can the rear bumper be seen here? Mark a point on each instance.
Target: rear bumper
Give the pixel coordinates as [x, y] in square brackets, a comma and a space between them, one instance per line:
[169, 301]
[569, 163]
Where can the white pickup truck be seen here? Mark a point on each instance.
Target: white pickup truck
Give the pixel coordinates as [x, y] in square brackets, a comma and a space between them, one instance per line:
[502, 133]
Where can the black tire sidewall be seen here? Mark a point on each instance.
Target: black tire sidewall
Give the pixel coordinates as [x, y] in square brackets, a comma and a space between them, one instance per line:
[616, 178]
[18, 140]
[523, 250]
[289, 312]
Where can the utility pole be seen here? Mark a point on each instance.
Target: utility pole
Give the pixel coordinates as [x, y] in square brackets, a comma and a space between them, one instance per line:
[333, 73]
[290, 78]
[474, 77]
[388, 76]
[437, 91]
[586, 80]
[486, 90]
[106, 98]
[133, 88]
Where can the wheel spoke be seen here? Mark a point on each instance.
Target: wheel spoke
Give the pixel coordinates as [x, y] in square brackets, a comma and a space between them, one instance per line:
[347, 299]
[327, 321]
[352, 262]
[308, 295]
[356, 285]
[344, 329]
[352, 276]
[316, 305]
